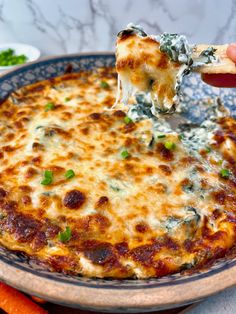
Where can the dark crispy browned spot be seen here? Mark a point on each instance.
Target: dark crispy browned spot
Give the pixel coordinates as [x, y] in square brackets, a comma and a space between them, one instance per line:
[25, 188]
[36, 160]
[51, 230]
[219, 137]
[74, 199]
[61, 263]
[170, 243]
[102, 201]
[3, 193]
[9, 206]
[141, 227]
[119, 114]
[8, 148]
[39, 241]
[129, 127]
[165, 169]
[30, 172]
[144, 253]
[26, 199]
[23, 227]
[95, 116]
[164, 153]
[36, 88]
[69, 68]
[219, 196]
[8, 114]
[85, 131]
[101, 253]
[37, 146]
[122, 248]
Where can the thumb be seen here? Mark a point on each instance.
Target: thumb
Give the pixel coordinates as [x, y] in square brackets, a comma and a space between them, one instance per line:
[231, 51]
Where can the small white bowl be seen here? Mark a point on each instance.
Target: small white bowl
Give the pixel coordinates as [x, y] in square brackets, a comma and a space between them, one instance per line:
[32, 53]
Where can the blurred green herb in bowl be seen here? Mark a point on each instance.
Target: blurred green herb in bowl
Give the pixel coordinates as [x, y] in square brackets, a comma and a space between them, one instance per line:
[8, 58]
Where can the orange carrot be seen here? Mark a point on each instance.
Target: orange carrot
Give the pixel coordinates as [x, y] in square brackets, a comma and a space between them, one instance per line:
[36, 299]
[14, 302]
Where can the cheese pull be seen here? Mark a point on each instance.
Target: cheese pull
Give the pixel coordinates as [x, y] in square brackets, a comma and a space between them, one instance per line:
[156, 65]
[223, 63]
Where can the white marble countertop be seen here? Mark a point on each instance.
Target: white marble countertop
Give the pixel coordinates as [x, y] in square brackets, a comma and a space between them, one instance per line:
[221, 303]
[59, 26]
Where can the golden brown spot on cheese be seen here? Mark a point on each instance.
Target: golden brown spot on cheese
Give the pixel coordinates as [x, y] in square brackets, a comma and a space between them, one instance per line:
[119, 113]
[74, 199]
[37, 146]
[165, 169]
[30, 172]
[95, 116]
[141, 227]
[3, 193]
[103, 200]
[99, 253]
[26, 199]
[164, 153]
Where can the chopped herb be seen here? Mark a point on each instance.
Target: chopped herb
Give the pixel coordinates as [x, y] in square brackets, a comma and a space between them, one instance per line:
[220, 162]
[8, 57]
[188, 188]
[67, 99]
[69, 174]
[169, 145]
[180, 137]
[49, 106]
[104, 84]
[127, 120]
[161, 136]
[65, 236]
[48, 177]
[208, 149]
[124, 154]
[115, 188]
[225, 173]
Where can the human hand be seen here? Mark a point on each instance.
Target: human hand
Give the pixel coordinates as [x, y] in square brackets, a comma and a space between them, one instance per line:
[223, 80]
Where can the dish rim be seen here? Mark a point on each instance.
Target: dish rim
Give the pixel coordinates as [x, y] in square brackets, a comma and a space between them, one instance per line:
[116, 299]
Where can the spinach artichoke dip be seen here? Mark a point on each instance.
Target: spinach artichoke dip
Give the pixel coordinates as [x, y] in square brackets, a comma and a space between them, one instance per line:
[94, 191]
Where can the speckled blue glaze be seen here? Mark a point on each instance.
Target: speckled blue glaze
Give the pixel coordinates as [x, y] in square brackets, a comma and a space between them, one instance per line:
[195, 92]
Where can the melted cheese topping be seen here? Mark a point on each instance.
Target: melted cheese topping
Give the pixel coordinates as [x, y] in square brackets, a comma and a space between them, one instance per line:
[136, 207]
[142, 67]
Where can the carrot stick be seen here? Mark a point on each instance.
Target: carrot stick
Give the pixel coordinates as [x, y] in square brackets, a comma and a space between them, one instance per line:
[36, 299]
[14, 302]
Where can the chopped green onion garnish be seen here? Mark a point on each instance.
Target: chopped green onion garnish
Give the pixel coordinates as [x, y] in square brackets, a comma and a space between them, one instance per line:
[208, 149]
[124, 154]
[225, 173]
[67, 99]
[127, 120]
[8, 57]
[169, 145]
[65, 236]
[104, 84]
[48, 177]
[180, 136]
[49, 106]
[161, 136]
[69, 174]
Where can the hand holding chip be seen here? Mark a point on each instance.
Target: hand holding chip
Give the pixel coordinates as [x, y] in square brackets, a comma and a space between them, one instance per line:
[223, 80]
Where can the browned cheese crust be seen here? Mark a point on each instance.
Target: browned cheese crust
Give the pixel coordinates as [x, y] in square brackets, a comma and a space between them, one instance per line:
[129, 215]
